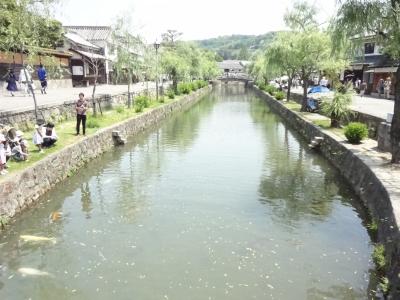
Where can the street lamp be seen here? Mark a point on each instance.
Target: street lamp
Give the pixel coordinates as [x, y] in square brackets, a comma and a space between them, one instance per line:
[156, 46]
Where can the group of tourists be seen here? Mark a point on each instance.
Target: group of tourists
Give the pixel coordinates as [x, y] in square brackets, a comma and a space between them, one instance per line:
[383, 87]
[12, 147]
[25, 80]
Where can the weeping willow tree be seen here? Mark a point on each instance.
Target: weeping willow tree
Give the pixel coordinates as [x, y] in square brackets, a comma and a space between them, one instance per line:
[380, 18]
[25, 26]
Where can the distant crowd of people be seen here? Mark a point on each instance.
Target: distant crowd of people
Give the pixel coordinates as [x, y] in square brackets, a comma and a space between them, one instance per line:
[25, 80]
[383, 87]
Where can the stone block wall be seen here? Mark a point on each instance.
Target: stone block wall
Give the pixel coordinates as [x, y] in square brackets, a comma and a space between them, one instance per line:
[384, 142]
[370, 183]
[20, 190]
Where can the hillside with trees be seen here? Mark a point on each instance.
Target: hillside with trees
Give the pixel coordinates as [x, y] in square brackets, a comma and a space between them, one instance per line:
[237, 46]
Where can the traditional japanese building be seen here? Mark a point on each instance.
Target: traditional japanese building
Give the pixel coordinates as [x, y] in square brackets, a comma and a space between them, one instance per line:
[98, 40]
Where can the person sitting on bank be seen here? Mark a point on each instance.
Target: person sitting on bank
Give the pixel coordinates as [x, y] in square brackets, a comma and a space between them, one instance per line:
[22, 141]
[49, 135]
[3, 160]
[38, 137]
[17, 154]
[81, 107]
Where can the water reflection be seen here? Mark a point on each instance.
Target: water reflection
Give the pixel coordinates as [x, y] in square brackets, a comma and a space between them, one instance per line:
[86, 199]
[219, 202]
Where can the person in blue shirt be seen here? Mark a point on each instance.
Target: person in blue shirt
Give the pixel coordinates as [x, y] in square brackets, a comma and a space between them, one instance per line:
[42, 75]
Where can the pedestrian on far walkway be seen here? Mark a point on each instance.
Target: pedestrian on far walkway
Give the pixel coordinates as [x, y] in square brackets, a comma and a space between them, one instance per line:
[11, 82]
[25, 80]
[81, 107]
[363, 87]
[381, 87]
[387, 87]
[42, 75]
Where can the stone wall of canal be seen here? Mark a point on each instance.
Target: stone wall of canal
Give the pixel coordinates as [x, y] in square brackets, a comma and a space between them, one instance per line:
[23, 189]
[371, 183]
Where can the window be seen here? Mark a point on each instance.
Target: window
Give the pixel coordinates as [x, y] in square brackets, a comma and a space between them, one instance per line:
[369, 48]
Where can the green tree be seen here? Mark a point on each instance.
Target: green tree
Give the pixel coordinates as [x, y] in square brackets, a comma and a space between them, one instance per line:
[283, 56]
[313, 46]
[127, 48]
[382, 18]
[25, 25]
[186, 61]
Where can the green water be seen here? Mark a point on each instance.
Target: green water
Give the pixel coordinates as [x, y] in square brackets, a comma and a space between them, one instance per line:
[222, 201]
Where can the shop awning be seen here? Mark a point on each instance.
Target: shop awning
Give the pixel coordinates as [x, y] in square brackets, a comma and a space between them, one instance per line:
[383, 70]
[357, 67]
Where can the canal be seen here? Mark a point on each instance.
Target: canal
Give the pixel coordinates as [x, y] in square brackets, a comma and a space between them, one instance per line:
[222, 201]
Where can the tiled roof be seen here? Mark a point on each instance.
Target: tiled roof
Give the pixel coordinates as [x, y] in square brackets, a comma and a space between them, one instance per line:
[77, 39]
[91, 33]
[230, 64]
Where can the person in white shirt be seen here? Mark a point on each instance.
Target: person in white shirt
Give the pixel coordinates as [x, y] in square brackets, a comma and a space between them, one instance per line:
[25, 79]
[323, 81]
[38, 137]
[3, 160]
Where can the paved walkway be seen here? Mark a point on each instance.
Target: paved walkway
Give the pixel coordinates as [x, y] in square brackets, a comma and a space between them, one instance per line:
[373, 106]
[60, 95]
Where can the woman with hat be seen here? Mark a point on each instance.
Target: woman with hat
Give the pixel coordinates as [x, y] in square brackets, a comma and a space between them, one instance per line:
[38, 137]
[23, 142]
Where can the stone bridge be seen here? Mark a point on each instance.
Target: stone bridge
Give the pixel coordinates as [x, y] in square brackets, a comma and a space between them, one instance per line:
[235, 76]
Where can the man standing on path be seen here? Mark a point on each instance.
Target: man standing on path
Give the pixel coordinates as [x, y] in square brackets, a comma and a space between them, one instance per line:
[42, 75]
[81, 107]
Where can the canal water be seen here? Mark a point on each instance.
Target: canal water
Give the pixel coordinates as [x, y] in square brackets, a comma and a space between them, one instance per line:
[222, 201]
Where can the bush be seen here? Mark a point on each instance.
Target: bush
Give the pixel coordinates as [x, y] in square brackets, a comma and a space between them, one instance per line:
[270, 89]
[193, 86]
[262, 86]
[120, 109]
[279, 95]
[92, 123]
[355, 132]
[141, 102]
[378, 256]
[338, 108]
[161, 99]
[201, 83]
[184, 88]
[170, 94]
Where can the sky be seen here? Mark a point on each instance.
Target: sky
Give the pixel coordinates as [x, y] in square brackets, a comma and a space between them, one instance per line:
[195, 19]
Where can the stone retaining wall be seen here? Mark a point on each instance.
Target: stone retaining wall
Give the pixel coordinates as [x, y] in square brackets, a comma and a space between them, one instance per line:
[20, 190]
[367, 177]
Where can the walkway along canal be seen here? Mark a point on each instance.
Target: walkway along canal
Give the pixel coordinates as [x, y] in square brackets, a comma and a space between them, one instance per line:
[222, 201]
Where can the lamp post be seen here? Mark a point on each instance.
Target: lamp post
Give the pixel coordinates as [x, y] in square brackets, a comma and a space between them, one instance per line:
[156, 46]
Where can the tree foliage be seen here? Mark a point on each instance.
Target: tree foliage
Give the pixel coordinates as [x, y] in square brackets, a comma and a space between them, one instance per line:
[381, 19]
[186, 61]
[25, 24]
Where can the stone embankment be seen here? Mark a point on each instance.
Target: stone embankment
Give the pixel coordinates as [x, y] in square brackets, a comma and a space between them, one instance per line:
[369, 172]
[22, 189]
